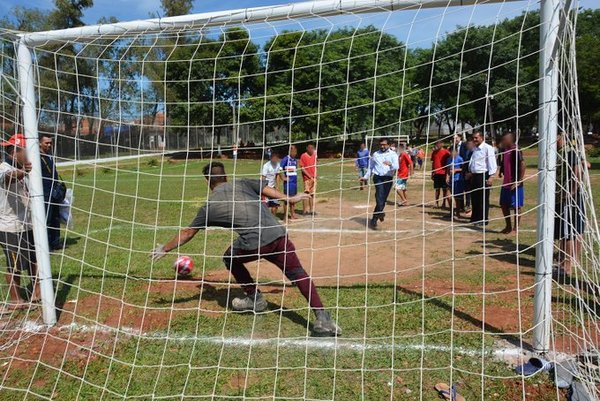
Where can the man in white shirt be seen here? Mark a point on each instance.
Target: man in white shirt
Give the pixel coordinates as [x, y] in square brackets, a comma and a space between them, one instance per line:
[482, 167]
[382, 166]
[16, 235]
[270, 174]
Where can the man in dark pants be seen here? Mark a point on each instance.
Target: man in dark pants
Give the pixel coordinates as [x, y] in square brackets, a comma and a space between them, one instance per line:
[382, 166]
[482, 167]
[238, 206]
[49, 179]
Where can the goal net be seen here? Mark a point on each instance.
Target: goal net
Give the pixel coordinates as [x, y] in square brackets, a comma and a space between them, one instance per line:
[425, 299]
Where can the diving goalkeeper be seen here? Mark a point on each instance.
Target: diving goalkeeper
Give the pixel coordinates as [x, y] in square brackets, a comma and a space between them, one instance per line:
[238, 206]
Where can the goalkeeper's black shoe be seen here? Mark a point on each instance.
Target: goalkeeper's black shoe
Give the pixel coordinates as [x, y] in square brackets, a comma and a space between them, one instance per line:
[325, 326]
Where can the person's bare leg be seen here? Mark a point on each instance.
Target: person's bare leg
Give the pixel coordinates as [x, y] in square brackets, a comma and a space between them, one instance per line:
[305, 206]
[517, 220]
[447, 197]
[311, 204]
[14, 286]
[507, 219]
[567, 256]
[292, 211]
[36, 295]
[437, 197]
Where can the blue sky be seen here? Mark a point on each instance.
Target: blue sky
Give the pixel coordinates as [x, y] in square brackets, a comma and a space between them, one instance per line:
[429, 23]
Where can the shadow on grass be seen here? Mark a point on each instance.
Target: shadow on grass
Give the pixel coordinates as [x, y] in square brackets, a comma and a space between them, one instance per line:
[512, 339]
[506, 251]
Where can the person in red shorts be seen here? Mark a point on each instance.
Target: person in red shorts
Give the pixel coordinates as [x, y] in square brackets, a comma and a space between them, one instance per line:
[308, 162]
[405, 170]
[440, 158]
[238, 206]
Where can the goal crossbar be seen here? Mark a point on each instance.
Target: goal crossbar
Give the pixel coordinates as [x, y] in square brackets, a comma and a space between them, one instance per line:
[323, 8]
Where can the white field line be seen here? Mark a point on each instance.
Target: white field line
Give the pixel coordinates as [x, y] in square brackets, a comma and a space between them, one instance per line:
[93, 162]
[304, 230]
[31, 327]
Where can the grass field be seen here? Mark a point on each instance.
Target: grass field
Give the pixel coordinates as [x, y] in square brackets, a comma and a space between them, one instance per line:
[421, 301]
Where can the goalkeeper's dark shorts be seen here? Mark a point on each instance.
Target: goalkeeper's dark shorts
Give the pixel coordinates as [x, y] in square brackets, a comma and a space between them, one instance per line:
[19, 250]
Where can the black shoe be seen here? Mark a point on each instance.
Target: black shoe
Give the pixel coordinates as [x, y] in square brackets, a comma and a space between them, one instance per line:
[373, 223]
[381, 217]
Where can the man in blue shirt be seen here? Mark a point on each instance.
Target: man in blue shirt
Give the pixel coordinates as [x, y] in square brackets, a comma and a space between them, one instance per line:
[289, 167]
[383, 166]
[362, 163]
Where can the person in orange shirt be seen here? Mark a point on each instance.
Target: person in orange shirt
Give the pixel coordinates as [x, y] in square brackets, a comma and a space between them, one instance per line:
[440, 159]
[308, 163]
[405, 170]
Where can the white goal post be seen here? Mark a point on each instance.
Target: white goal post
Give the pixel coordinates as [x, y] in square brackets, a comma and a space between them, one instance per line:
[551, 14]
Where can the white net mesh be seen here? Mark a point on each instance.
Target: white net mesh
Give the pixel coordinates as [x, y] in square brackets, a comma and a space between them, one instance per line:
[423, 299]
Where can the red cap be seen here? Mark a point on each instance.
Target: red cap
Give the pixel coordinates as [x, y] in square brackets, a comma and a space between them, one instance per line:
[17, 140]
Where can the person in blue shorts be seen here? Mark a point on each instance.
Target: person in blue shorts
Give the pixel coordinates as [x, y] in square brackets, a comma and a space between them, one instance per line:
[289, 166]
[456, 182]
[362, 163]
[512, 169]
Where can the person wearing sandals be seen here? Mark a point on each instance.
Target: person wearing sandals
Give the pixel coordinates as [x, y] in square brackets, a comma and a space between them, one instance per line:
[16, 235]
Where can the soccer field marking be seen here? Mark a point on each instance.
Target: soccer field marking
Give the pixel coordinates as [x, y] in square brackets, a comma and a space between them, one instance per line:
[319, 230]
[313, 343]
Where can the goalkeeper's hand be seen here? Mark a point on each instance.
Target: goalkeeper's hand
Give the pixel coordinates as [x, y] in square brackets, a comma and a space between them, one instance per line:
[158, 253]
[298, 198]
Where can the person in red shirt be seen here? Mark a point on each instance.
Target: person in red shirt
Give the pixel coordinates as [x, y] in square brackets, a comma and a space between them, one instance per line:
[405, 170]
[440, 158]
[308, 162]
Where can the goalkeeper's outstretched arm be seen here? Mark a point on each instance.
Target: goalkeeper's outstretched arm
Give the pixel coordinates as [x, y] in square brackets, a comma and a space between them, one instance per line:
[182, 238]
[272, 193]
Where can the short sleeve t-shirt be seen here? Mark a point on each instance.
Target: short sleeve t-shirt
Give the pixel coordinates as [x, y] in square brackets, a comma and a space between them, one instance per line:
[289, 165]
[309, 165]
[237, 205]
[362, 159]
[439, 161]
[404, 164]
[14, 203]
[457, 163]
[270, 171]
[511, 161]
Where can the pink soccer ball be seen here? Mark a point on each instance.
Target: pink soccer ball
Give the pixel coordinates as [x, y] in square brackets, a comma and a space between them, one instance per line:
[183, 265]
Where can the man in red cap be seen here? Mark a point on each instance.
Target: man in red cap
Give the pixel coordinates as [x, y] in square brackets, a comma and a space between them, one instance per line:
[16, 235]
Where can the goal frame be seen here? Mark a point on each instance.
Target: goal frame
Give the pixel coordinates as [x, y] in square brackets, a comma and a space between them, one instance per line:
[550, 17]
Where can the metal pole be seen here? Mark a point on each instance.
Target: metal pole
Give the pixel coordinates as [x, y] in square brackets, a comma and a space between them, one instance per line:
[548, 114]
[323, 8]
[36, 190]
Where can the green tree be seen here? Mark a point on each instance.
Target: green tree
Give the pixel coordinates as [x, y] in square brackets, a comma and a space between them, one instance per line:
[172, 8]
[588, 60]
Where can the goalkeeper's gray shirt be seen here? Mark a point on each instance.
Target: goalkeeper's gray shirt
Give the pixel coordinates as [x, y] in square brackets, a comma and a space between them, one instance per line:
[238, 205]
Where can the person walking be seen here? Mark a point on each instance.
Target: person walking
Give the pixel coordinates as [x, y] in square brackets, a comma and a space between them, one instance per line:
[383, 167]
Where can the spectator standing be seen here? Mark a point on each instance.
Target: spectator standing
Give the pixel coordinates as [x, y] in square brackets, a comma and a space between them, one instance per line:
[569, 221]
[308, 162]
[362, 162]
[16, 234]
[270, 173]
[512, 171]
[54, 192]
[382, 167]
[482, 167]
[405, 170]
[456, 182]
[440, 158]
[289, 166]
